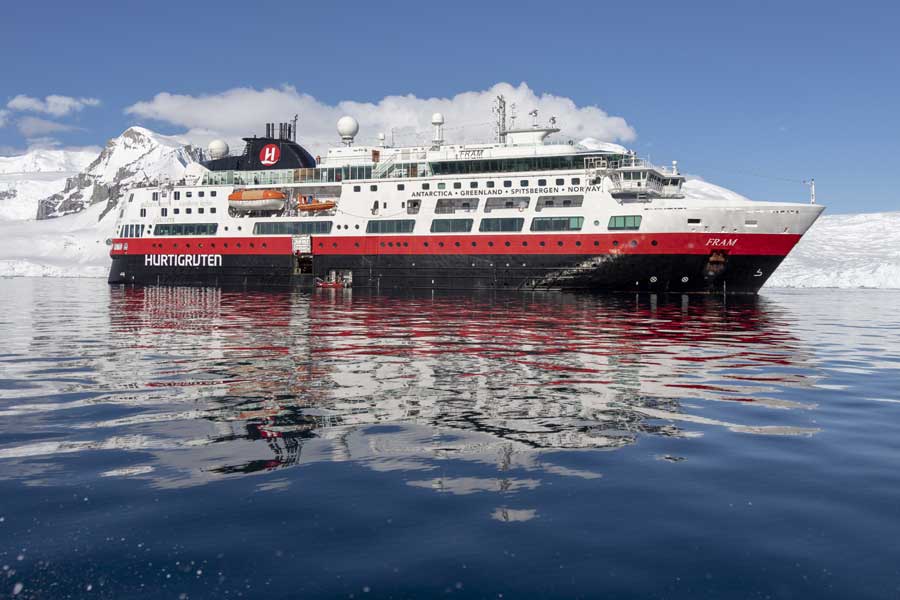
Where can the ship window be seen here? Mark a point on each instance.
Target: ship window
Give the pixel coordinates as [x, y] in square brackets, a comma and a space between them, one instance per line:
[412, 209]
[457, 185]
[542, 182]
[131, 197]
[356, 188]
[576, 181]
[164, 212]
[213, 193]
[451, 225]
[524, 183]
[401, 187]
[373, 188]
[187, 211]
[507, 183]
[186, 229]
[292, 228]
[450, 205]
[200, 210]
[489, 184]
[442, 186]
[392, 226]
[426, 186]
[473, 184]
[693, 221]
[751, 222]
[403, 205]
[519, 202]
[155, 196]
[177, 210]
[201, 194]
[143, 212]
[625, 222]
[560, 182]
[511, 224]
[188, 194]
[177, 195]
[212, 209]
[557, 223]
[559, 201]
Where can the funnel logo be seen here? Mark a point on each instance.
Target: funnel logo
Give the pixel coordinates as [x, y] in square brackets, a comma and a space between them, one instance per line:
[269, 155]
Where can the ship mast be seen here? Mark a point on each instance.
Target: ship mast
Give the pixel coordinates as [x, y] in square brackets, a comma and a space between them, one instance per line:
[500, 110]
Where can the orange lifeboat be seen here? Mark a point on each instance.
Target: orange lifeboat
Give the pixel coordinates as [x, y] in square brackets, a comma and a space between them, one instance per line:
[246, 200]
[314, 205]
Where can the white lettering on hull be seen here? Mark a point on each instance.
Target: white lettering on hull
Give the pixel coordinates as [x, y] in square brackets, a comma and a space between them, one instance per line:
[721, 242]
[183, 260]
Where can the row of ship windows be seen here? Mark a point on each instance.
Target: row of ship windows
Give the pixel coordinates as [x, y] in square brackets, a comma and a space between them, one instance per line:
[177, 195]
[474, 184]
[164, 211]
[498, 225]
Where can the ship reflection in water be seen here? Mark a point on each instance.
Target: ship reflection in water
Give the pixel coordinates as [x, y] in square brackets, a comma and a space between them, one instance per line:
[203, 384]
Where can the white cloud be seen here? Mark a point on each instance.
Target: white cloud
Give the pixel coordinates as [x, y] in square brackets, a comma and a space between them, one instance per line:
[54, 104]
[4, 117]
[32, 127]
[243, 111]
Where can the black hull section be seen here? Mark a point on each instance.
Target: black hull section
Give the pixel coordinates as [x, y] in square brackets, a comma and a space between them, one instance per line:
[684, 273]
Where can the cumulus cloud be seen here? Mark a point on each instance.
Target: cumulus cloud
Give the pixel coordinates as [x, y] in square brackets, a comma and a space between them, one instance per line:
[4, 117]
[56, 105]
[243, 111]
[32, 127]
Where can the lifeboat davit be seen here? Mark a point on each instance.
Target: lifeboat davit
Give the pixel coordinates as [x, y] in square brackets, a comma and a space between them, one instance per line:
[256, 200]
[316, 205]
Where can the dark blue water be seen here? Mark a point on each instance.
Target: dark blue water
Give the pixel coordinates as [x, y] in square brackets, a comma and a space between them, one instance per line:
[187, 443]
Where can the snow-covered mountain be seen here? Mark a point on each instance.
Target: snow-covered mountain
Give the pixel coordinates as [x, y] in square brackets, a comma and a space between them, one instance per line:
[135, 156]
[47, 161]
[28, 178]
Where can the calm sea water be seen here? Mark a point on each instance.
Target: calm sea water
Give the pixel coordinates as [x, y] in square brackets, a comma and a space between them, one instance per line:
[194, 443]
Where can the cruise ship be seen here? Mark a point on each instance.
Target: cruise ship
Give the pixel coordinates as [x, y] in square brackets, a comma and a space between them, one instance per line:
[519, 213]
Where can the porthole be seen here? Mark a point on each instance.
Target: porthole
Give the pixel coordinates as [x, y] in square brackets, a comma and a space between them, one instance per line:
[356, 226]
[356, 244]
[473, 245]
[542, 243]
[654, 243]
[559, 243]
[426, 244]
[633, 243]
[251, 244]
[577, 243]
[334, 244]
[615, 243]
[264, 245]
[596, 242]
[596, 223]
[239, 244]
[382, 244]
[441, 244]
[390, 244]
[406, 244]
[321, 245]
[491, 244]
[456, 244]
[506, 243]
[524, 243]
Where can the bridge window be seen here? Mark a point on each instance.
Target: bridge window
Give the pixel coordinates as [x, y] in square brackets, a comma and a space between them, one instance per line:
[451, 225]
[292, 228]
[557, 223]
[511, 224]
[626, 222]
[392, 226]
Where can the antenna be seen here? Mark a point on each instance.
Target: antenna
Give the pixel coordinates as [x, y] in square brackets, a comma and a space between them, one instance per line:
[294, 130]
[534, 114]
[500, 111]
[812, 189]
[512, 116]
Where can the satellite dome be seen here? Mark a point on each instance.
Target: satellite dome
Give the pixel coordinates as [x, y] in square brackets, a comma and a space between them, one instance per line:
[437, 119]
[347, 127]
[217, 149]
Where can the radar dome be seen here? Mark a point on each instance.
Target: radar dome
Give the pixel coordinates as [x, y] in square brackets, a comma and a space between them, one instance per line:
[437, 119]
[347, 127]
[217, 149]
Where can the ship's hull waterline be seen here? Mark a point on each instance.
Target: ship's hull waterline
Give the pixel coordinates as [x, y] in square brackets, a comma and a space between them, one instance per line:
[682, 274]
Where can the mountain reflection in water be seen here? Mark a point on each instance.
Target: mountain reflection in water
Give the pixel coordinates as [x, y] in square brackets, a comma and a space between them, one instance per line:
[203, 384]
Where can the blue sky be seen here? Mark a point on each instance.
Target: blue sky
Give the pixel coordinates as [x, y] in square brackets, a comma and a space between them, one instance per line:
[753, 96]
